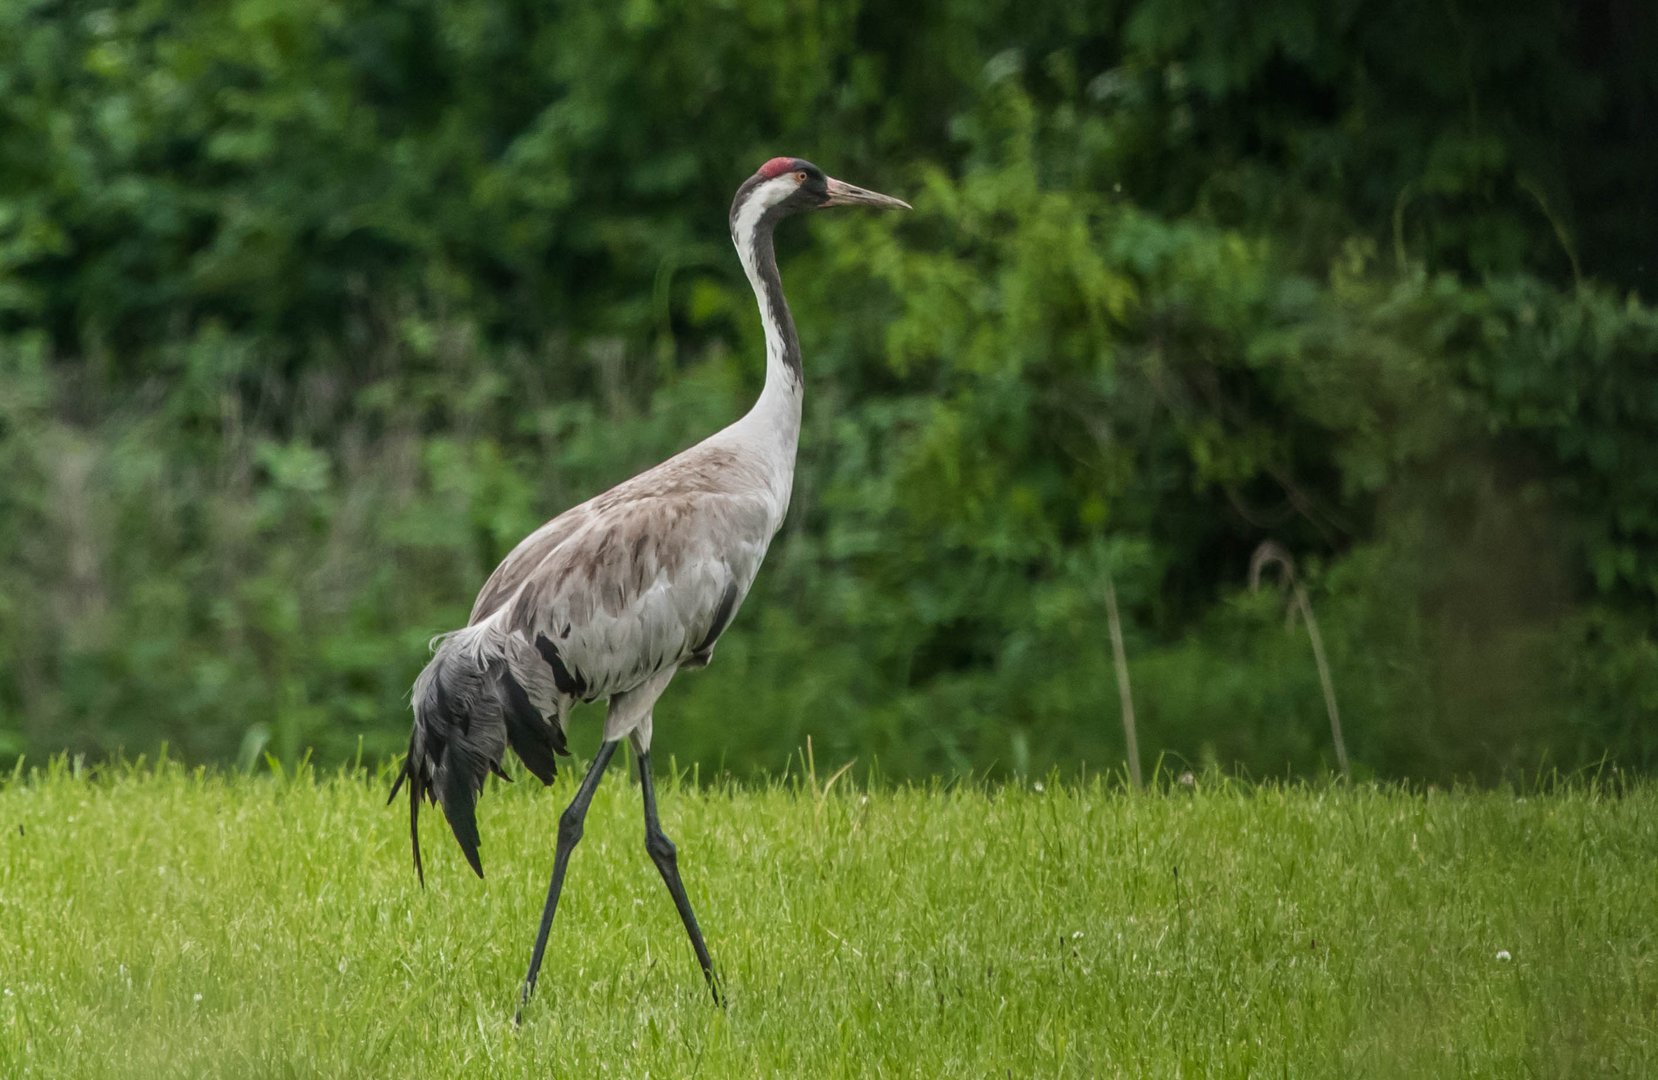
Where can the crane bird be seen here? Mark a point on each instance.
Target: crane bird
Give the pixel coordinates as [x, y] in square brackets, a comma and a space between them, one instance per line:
[612, 597]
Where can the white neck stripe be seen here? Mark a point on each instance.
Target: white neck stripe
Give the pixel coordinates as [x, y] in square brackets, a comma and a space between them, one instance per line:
[743, 228]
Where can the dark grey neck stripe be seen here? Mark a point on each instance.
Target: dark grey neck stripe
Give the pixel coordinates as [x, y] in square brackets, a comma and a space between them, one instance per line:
[763, 257]
[765, 266]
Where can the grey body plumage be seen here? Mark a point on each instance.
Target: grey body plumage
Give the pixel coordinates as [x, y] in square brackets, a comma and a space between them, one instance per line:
[601, 602]
[611, 598]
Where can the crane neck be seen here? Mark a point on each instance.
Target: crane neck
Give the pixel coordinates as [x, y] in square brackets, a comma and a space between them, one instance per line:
[778, 408]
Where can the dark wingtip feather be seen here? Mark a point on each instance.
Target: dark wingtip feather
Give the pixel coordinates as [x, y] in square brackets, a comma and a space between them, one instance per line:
[534, 738]
[459, 800]
[408, 774]
[414, 831]
[469, 708]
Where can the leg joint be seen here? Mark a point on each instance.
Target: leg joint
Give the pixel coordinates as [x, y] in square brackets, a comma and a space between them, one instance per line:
[660, 847]
[570, 825]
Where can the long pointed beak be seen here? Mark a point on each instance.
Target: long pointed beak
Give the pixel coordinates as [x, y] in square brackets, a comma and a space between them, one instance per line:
[844, 194]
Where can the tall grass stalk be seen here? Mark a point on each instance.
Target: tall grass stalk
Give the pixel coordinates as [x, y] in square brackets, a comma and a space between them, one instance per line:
[1271, 553]
[1119, 657]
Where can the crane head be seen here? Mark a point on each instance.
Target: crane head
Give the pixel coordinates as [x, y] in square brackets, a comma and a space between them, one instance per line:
[789, 185]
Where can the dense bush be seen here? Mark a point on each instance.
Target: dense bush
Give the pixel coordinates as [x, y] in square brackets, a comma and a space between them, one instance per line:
[309, 310]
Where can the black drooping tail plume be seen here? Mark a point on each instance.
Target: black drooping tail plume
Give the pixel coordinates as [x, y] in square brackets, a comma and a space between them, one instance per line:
[468, 707]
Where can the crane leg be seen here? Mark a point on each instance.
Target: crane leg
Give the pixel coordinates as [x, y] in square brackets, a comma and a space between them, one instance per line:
[569, 833]
[663, 854]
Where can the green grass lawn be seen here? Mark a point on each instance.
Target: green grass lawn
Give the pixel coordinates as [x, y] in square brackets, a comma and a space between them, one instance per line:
[159, 924]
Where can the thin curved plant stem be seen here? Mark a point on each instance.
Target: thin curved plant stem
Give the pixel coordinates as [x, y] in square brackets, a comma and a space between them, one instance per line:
[1324, 678]
[1119, 657]
[1274, 554]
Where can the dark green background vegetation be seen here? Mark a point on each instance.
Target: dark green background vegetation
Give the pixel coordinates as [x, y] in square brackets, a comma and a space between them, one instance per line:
[310, 309]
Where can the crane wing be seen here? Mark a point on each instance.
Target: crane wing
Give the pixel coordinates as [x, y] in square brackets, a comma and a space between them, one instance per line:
[646, 585]
[638, 580]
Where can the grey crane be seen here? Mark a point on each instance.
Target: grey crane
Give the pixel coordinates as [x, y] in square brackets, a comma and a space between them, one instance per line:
[612, 597]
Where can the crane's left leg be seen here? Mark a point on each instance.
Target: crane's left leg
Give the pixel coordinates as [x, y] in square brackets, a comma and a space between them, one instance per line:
[667, 863]
[570, 825]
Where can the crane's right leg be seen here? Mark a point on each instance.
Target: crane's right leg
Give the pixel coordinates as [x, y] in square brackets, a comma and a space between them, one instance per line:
[569, 833]
[666, 858]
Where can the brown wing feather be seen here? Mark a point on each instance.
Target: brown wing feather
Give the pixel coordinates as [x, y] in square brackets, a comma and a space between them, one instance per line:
[701, 470]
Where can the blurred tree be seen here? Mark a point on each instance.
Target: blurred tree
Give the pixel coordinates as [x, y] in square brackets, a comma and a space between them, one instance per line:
[309, 310]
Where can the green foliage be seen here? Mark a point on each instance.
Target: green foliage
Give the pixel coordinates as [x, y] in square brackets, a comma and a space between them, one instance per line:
[309, 311]
[170, 923]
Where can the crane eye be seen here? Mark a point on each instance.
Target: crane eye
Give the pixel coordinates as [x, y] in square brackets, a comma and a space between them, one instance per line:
[800, 177]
